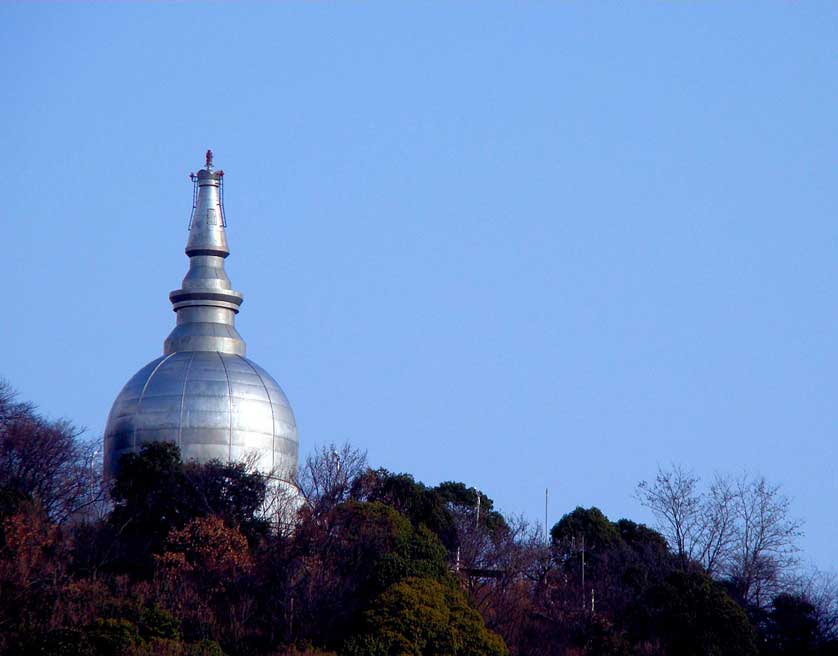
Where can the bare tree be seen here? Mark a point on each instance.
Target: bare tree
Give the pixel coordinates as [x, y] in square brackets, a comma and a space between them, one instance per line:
[325, 478]
[506, 565]
[738, 529]
[678, 506]
[765, 550]
[718, 531]
[820, 589]
[47, 461]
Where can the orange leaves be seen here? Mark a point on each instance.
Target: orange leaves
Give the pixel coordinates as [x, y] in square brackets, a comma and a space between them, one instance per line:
[30, 540]
[208, 545]
[205, 557]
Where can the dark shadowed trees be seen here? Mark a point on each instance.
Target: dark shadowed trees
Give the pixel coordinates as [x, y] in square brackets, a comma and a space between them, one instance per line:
[791, 627]
[155, 493]
[693, 616]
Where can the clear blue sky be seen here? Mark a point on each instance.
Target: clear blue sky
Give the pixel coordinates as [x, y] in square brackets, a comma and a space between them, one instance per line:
[521, 245]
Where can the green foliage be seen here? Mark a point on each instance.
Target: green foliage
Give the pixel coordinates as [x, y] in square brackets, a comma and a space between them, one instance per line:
[378, 546]
[203, 648]
[642, 559]
[422, 617]
[641, 596]
[231, 491]
[457, 495]
[184, 566]
[155, 493]
[621, 566]
[694, 616]
[352, 555]
[421, 505]
[157, 623]
[148, 503]
[113, 637]
[642, 539]
[791, 627]
[589, 525]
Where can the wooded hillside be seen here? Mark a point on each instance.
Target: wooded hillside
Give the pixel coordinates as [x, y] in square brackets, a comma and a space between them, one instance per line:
[181, 559]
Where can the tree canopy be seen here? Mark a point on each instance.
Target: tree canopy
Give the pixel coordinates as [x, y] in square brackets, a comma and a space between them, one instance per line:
[187, 560]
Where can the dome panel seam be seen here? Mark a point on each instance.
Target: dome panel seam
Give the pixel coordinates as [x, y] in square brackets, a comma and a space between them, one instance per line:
[230, 399]
[271, 405]
[182, 400]
[142, 394]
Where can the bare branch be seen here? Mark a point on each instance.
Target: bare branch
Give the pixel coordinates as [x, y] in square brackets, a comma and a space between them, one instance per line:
[325, 478]
[738, 529]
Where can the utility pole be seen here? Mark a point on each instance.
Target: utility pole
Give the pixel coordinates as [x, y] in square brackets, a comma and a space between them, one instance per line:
[583, 574]
[477, 516]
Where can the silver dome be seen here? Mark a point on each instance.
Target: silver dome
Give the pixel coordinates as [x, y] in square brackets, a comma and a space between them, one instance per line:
[212, 405]
[202, 393]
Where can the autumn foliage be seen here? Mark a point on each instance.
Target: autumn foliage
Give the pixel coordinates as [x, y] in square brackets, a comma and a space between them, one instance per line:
[181, 559]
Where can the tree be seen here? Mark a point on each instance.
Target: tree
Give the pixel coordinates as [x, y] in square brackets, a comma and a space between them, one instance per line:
[618, 562]
[113, 637]
[208, 549]
[738, 529]
[337, 563]
[479, 527]
[45, 461]
[693, 616]
[821, 590]
[32, 571]
[583, 542]
[423, 617]
[510, 565]
[461, 499]
[234, 491]
[422, 505]
[325, 478]
[764, 551]
[203, 577]
[589, 524]
[149, 502]
[698, 525]
[792, 627]
[155, 493]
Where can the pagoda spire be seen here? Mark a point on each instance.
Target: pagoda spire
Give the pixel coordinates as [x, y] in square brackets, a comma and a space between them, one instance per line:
[206, 303]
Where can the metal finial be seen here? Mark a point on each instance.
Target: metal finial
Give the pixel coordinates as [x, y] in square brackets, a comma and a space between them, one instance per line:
[209, 160]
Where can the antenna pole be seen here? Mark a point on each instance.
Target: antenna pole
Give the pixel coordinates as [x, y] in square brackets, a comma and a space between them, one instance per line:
[546, 534]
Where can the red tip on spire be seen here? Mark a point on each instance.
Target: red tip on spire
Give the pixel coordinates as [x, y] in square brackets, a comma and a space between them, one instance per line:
[209, 158]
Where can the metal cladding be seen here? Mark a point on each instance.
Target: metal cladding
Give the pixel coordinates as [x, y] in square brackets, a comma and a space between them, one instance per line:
[202, 393]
